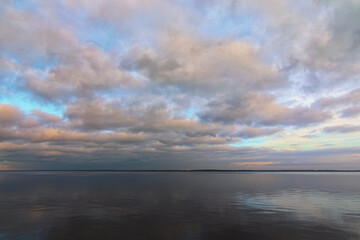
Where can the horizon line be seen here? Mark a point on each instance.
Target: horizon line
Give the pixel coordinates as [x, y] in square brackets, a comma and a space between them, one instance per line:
[177, 170]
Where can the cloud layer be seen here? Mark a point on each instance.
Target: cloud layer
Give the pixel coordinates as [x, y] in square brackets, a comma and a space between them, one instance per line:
[204, 84]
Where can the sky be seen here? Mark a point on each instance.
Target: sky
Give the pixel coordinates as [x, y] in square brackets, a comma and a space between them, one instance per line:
[179, 84]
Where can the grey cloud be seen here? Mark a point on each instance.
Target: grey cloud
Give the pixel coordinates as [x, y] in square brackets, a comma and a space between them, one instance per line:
[88, 71]
[332, 52]
[193, 63]
[9, 115]
[342, 46]
[45, 117]
[40, 134]
[8, 66]
[352, 97]
[170, 134]
[321, 37]
[220, 157]
[260, 109]
[351, 112]
[75, 69]
[251, 132]
[347, 104]
[98, 115]
[31, 38]
[178, 142]
[176, 86]
[342, 129]
[30, 122]
[118, 14]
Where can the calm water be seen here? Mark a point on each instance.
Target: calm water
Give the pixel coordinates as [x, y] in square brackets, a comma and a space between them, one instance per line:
[179, 205]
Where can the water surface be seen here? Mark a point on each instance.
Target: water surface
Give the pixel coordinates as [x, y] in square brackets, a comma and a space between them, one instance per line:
[179, 205]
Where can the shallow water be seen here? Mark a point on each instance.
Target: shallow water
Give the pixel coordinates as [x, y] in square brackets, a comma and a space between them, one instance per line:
[179, 205]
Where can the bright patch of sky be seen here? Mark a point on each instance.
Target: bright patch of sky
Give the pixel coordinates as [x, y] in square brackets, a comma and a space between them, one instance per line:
[255, 142]
[26, 103]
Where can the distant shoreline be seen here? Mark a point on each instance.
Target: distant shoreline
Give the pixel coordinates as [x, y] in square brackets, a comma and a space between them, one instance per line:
[192, 170]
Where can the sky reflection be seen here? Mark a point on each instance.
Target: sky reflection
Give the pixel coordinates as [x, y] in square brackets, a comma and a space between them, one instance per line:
[73, 205]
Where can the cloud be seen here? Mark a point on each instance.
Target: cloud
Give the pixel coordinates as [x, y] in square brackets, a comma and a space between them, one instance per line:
[193, 63]
[135, 86]
[251, 132]
[351, 112]
[58, 135]
[88, 71]
[61, 136]
[69, 67]
[254, 163]
[342, 129]
[40, 39]
[170, 134]
[9, 115]
[7, 66]
[5, 167]
[352, 97]
[340, 46]
[46, 117]
[255, 109]
[98, 114]
[346, 104]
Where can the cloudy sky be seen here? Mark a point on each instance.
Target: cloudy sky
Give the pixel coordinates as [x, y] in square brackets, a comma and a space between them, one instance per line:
[179, 84]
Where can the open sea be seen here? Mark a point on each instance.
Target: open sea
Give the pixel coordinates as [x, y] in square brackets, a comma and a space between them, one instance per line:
[179, 205]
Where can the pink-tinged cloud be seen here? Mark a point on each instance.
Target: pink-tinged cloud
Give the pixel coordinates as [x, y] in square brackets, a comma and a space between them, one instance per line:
[254, 163]
[5, 168]
[9, 115]
[45, 117]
